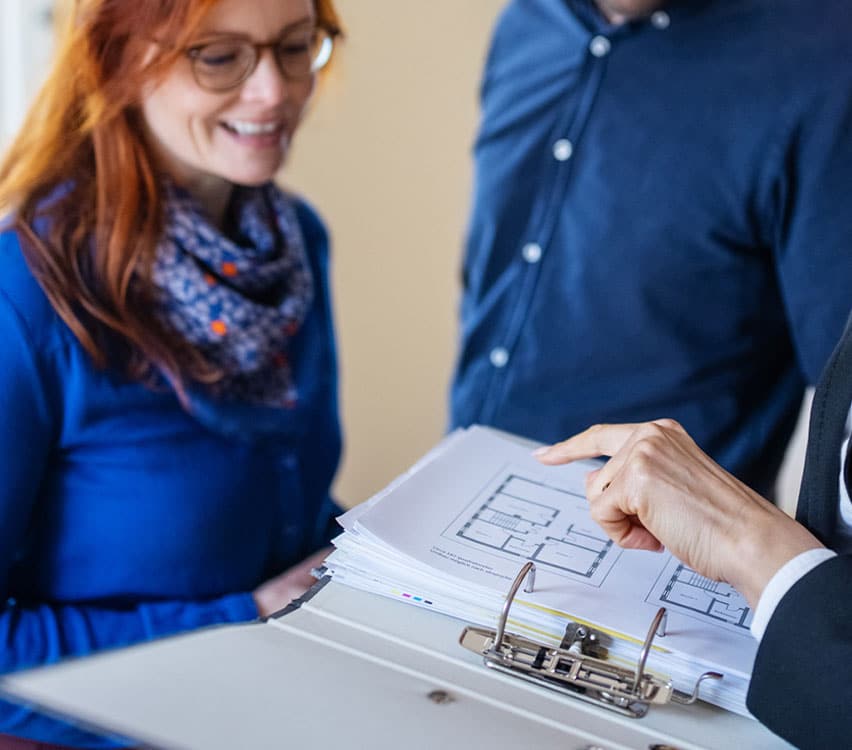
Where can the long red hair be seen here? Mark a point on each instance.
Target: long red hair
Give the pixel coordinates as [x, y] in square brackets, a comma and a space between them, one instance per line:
[81, 185]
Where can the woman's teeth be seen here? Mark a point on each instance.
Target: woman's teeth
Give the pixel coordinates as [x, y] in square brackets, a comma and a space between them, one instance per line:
[242, 127]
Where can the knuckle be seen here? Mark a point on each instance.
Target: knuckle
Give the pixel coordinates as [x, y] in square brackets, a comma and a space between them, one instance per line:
[652, 430]
[670, 425]
[667, 423]
[642, 466]
[644, 451]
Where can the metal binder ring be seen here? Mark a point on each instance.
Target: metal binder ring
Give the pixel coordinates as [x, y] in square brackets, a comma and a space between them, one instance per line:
[528, 569]
[646, 647]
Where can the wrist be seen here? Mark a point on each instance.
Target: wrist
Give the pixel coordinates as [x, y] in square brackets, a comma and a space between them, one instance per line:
[261, 603]
[768, 540]
[270, 597]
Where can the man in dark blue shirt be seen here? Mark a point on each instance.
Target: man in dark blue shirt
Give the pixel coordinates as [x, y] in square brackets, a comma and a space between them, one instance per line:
[662, 220]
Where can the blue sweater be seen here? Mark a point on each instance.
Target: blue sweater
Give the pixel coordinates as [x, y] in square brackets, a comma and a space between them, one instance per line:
[122, 518]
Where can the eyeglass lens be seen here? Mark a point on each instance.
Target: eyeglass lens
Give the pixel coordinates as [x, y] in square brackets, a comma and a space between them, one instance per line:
[226, 63]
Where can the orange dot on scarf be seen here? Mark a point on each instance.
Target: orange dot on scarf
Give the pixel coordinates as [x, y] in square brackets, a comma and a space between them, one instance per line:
[229, 269]
[219, 327]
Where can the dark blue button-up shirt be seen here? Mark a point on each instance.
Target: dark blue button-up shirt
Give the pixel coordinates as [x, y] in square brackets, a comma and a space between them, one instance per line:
[662, 221]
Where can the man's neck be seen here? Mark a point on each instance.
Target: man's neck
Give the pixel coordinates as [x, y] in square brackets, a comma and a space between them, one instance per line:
[615, 12]
[616, 19]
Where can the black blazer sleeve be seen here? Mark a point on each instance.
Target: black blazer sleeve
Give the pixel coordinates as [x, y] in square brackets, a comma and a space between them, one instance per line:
[800, 687]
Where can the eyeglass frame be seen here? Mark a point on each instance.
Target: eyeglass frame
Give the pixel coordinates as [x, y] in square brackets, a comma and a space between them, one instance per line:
[326, 50]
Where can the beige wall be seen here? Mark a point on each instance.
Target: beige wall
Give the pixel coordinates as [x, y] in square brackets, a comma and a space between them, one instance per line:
[385, 157]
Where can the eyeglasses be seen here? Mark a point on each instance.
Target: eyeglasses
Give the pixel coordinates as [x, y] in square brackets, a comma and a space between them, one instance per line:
[226, 63]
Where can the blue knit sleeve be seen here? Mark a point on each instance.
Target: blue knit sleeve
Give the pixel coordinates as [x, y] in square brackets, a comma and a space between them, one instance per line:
[325, 436]
[32, 632]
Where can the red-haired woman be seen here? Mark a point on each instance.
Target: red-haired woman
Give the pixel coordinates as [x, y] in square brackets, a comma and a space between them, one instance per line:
[169, 423]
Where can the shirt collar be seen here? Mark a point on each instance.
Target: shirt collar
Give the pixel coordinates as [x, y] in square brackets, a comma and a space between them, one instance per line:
[590, 15]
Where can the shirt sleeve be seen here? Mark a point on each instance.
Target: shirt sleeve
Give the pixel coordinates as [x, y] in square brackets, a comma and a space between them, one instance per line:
[35, 633]
[789, 574]
[812, 227]
[844, 511]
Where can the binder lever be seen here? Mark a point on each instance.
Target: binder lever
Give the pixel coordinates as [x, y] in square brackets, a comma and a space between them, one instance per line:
[578, 667]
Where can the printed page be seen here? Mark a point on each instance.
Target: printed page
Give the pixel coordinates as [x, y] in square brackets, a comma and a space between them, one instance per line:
[479, 510]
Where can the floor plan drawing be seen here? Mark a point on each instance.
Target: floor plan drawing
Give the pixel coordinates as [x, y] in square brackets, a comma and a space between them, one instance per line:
[683, 590]
[528, 519]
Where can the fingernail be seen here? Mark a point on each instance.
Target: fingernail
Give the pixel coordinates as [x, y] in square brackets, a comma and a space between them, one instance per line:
[541, 451]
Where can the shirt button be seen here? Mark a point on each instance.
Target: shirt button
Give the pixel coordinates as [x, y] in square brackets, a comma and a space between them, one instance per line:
[563, 149]
[661, 20]
[532, 252]
[499, 357]
[600, 46]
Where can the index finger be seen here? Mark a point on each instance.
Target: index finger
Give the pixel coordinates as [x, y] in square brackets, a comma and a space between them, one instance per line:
[598, 440]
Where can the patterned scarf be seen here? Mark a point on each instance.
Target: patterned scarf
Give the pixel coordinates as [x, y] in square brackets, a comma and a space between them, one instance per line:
[240, 295]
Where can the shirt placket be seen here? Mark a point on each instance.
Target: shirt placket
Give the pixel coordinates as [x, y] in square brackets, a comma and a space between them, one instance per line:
[562, 144]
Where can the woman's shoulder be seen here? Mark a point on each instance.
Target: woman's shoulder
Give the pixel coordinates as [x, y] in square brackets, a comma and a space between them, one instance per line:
[21, 293]
[310, 221]
[309, 217]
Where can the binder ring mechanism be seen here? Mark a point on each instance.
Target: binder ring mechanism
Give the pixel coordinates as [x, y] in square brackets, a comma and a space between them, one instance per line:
[578, 666]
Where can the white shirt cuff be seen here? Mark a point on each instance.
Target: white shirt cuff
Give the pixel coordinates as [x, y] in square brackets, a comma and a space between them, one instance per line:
[782, 582]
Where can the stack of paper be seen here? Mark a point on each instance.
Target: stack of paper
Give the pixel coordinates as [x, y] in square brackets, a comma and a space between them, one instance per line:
[452, 533]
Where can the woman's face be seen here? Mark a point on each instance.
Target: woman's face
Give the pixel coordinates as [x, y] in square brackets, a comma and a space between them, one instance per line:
[241, 135]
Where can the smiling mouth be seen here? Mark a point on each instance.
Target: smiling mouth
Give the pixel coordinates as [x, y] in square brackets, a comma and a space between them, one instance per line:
[249, 129]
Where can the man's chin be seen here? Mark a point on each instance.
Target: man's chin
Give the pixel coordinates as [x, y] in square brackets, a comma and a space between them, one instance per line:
[629, 9]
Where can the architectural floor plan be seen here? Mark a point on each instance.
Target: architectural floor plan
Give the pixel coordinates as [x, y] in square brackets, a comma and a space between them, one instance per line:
[528, 519]
[683, 590]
